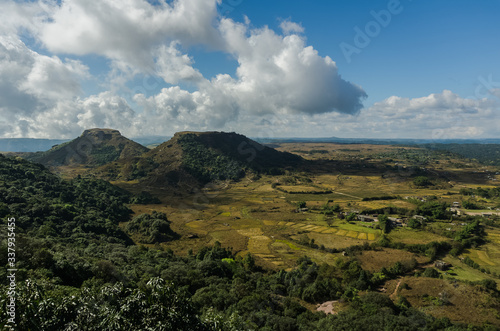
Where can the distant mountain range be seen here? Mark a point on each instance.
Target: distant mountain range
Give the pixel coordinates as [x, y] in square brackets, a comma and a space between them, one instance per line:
[392, 141]
[28, 144]
[40, 145]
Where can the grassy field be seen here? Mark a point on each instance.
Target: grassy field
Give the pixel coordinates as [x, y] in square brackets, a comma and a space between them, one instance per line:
[411, 236]
[462, 303]
[461, 271]
[488, 255]
[375, 260]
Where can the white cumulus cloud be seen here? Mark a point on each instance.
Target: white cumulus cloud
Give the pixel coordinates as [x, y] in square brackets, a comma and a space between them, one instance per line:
[443, 115]
[128, 30]
[289, 27]
[33, 87]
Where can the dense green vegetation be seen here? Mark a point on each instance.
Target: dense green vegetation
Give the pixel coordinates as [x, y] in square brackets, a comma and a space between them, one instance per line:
[488, 193]
[220, 156]
[207, 164]
[46, 206]
[151, 228]
[414, 156]
[434, 209]
[422, 181]
[211, 290]
[144, 198]
[104, 154]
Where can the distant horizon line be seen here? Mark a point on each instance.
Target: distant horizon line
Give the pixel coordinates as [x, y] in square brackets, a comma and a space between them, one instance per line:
[279, 138]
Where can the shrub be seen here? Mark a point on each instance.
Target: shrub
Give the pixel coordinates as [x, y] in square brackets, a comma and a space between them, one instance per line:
[151, 228]
[422, 181]
[301, 204]
[430, 272]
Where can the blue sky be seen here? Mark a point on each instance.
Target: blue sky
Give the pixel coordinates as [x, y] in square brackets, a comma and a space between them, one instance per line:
[376, 69]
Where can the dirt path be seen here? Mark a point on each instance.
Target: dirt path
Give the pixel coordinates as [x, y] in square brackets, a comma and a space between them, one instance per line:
[349, 195]
[327, 307]
[394, 294]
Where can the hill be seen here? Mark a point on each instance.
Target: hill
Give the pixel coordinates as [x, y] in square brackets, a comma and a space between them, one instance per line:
[201, 157]
[93, 147]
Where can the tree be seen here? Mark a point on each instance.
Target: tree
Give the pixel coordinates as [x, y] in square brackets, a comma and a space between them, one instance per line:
[422, 181]
[351, 217]
[330, 210]
[385, 223]
[470, 205]
[489, 284]
[430, 272]
[414, 223]
[301, 204]
[151, 228]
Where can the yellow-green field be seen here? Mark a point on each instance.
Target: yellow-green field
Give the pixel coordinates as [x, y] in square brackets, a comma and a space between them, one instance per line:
[411, 236]
[467, 304]
[488, 255]
[375, 260]
[460, 270]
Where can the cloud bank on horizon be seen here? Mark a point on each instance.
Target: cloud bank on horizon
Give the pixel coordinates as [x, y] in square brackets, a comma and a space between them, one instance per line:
[281, 87]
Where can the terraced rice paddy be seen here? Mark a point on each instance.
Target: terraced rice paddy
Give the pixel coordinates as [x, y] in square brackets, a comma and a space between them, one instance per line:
[263, 238]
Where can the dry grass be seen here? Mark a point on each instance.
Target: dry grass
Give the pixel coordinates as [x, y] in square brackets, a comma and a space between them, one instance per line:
[375, 260]
[410, 236]
[483, 257]
[331, 241]
[468, 304]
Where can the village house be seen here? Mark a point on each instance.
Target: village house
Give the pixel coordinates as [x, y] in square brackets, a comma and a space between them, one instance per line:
[396, 221]
[442, 265]
[366, 218]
